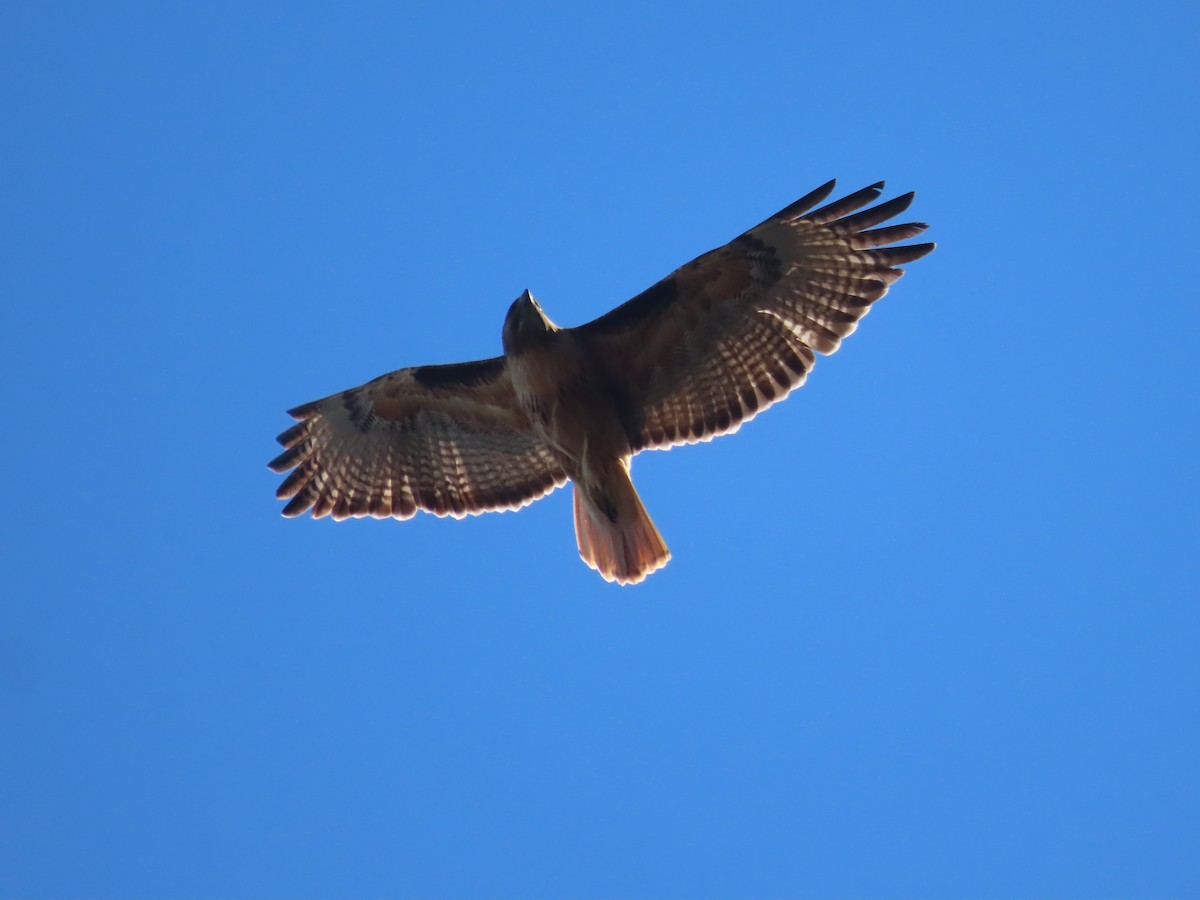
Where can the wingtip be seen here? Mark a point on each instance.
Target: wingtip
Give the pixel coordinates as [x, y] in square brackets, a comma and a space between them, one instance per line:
[304, 410]
[804, 204]
[920, 250]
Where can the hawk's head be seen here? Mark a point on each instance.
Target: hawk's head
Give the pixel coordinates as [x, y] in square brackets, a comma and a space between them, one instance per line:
[526, 325]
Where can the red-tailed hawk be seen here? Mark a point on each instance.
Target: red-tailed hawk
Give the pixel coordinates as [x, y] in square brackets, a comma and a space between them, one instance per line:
[692, 357]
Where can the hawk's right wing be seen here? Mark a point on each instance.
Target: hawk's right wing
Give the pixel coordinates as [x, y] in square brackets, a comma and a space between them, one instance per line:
[447, 439]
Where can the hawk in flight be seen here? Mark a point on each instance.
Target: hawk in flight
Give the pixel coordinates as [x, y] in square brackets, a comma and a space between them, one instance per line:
[690, 358]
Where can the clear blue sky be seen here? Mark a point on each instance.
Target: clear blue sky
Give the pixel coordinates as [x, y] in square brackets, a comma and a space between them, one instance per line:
[931, 626]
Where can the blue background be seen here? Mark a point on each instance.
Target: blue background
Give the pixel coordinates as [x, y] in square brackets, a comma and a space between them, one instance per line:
[931, 626]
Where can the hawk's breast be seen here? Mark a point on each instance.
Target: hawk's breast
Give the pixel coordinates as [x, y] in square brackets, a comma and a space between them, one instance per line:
[569, 400]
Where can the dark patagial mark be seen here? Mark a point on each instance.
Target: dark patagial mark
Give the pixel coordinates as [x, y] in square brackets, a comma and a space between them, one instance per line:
[458, 375]
[649, 303]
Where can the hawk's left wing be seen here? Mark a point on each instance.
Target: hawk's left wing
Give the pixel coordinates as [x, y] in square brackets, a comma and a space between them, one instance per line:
[736, 329]
[447, 439]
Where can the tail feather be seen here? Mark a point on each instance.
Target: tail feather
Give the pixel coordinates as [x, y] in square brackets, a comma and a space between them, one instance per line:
[615, 534]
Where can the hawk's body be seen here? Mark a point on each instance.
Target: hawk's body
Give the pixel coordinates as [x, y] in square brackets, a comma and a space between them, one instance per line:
[694, 356]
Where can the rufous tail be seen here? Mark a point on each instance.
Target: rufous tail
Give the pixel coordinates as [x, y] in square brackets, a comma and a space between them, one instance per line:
[613, 530]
